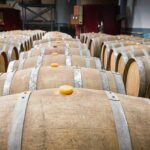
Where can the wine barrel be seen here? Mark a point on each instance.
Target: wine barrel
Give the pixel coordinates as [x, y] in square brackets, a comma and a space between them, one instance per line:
[62, 40]
[148, 92]
[38, 33]
[18, 45]
[85, 120]
[3, 61]
[26, 40]
[82, 37]
[56, 34]
[96, 44]
[31, 34]
[10, 50]
[35, 35]
[90, 36]
[85, 36]
[53, 77]
[41, 33]
[109, 47]
[71, 44]
[62, 60]
[49, 50]
[137, 76]
[17, 38]
[119, 60]
[21, 44]
[131, 38]
[125, 39]
[27, 33]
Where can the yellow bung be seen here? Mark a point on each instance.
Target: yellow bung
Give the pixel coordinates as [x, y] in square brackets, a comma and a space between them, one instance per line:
[54, 53]
[54, 65]
[66, 90]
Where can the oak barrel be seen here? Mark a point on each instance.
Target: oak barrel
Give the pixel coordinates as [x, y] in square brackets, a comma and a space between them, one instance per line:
[21, 46]
[121, 59]
[51, 77]
[137, 76]
[109, 47]
[56, 34]
[85, 120]
[97, 43]
[71, 44]
[148, 92]
[61, 60]
[90, 36]
[55, 40]
[10, 50]
[50, 50]
[13, 38]
[3, 61]
[82, 37]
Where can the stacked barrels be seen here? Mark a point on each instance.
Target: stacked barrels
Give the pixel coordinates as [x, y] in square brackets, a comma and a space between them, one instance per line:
[58, 59]
[12, 43]
[57, 96]
[127, 55]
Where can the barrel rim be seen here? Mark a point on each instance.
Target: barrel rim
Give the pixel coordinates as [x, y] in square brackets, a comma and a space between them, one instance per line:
[5, 59]
[141, 72]
[120, 54]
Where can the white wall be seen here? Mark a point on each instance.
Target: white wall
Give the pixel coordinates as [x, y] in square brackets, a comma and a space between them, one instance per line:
[141, 15]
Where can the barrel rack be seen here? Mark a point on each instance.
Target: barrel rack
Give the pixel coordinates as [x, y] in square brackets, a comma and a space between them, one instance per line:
[45, 8]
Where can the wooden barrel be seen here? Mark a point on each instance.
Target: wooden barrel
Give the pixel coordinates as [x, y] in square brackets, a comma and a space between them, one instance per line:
[125, 39]
[56, 34]
[71, 44]
[96, 44]
[17, 38]
[33, 34]
[3, 61]
[114, 52]
[27, 37]
[90, 36]
[61, 60]
[121, 59]
[26, 40]
[41, 33]
[17, 42]
[20, 47]
[86, 37]
[54, 40]
[10, 50]
[49, 50]
[82, 37]
[148, 91]
[109, 47]
[137, 76]
[85, 120]
[53, 77]
[131, 38]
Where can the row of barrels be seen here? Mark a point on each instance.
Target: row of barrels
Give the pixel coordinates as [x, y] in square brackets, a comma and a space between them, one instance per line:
[119, 53]
[86, 113]
[12, 43]
[65, 60]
